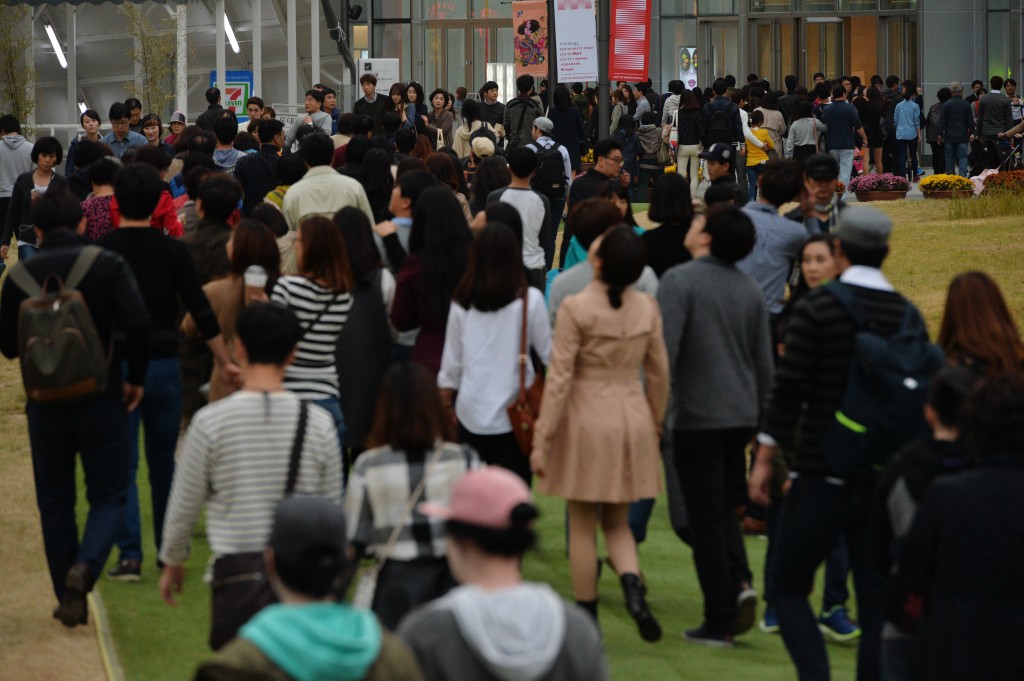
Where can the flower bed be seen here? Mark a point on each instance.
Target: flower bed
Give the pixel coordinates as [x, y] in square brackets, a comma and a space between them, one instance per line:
[945, 183]
[1008, 181]
[885, 182]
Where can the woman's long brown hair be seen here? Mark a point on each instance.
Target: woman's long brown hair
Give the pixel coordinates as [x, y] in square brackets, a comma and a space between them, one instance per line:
[977, 327]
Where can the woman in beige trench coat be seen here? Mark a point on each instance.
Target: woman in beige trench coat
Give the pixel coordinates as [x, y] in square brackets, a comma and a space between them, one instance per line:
[596, 442]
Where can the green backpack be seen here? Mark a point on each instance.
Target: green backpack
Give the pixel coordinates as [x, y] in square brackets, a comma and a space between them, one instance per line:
[62, 357]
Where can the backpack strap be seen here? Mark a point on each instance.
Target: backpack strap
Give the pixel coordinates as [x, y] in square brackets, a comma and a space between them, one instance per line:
[842, 293]
[293, 461]
[82, 264]
[24, 280]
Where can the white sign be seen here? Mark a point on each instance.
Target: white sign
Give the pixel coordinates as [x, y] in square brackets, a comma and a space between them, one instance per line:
[387, 72]
[288, 120]
[576, 36]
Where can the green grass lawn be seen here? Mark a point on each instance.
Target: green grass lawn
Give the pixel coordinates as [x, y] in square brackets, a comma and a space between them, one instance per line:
[929, 247]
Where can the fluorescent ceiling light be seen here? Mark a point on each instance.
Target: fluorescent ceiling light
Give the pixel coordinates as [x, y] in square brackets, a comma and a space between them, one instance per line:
[231, 35]
[56, 46]
[82, 107]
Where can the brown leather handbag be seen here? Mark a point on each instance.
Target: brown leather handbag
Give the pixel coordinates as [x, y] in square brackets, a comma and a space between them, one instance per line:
[525, 410]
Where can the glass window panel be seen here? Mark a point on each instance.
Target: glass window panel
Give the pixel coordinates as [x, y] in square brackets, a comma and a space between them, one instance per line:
[759, 6]
[446, 9]
[390, 40]
[492, 9]
[763, 49]
[999, 27]
[899, 4]
[816, 5]
[705, 7]
[723, 44]
[678, 44]
[456, 60]
[391, 9]
[676, 8]
[895, 46]
[858, 5]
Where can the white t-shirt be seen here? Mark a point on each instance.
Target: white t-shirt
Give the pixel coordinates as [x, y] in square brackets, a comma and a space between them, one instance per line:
[535, 212]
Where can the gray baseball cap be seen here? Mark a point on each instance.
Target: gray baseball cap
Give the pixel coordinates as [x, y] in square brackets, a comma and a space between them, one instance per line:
[543, 123]
[864, 226]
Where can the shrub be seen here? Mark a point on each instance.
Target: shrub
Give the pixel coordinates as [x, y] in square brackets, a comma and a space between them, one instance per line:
[1008, 181]
[945, 183]
[886, 182]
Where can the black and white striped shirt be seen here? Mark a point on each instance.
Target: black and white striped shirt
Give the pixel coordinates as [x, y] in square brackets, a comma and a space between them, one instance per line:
[313, 376]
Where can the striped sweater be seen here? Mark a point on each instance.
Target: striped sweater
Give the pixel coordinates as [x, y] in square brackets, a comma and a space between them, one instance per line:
[235, 460]
[313, 375]
[810, 379]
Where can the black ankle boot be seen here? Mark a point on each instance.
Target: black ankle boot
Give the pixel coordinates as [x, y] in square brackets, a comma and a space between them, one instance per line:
[590, 607]
[634, 590]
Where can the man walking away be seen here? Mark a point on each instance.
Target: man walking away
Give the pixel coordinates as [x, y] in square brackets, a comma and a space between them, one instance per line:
[956, 130]
[15, 160]
[520, 114]
[95, 427]
[552, 179]
[534, 210]
[213, 110]
[843, 127]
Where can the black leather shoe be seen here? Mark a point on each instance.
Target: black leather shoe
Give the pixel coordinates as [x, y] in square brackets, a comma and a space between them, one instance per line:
[74, 608]
[635, 591]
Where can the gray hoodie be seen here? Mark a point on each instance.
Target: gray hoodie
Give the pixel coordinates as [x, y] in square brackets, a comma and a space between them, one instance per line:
[523, 633]
[15, 159]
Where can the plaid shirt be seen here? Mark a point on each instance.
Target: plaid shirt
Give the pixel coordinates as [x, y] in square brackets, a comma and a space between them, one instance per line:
[379, 487]
[778, 244]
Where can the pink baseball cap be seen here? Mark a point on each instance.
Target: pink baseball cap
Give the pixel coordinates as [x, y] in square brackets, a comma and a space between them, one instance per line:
[483, 497]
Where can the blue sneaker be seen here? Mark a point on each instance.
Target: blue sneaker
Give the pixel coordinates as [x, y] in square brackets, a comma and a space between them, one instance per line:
[837, 626]
[770, 621]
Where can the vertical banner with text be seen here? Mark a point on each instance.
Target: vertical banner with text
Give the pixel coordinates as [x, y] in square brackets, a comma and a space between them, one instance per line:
[629, 51]
[530, 37]
[576, 41]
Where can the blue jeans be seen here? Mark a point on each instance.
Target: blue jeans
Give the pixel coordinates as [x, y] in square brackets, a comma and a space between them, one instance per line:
[815, 514]
[98, 430]
[845, 159]
[26, 251]
[160, 413]
[753, 172]
[956, 157]
[333, 407]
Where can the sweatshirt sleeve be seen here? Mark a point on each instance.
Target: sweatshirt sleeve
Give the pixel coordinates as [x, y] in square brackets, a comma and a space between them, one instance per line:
[188, 492]
[194, 298]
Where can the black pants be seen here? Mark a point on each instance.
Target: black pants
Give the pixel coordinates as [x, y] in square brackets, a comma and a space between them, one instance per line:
[711, 465]
[939, 158]
[404, 585]
[499, 450]
[815, 514]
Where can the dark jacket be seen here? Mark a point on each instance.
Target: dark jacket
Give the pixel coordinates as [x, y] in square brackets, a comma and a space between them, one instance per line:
[110, 292]
[956, 122]
[960, 569]
[585, 186]
[255, 172]
[19, 210]
[209, 117]
[723, 103]
[375, 110]
[568, 132]
[207, 245]
[994, 114]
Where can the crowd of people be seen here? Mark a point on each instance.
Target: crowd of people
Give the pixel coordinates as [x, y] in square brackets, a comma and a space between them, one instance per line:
[332, 338]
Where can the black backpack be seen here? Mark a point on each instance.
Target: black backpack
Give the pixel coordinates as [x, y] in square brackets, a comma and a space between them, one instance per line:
[720, 125]
[549, 179]
[62, 357]
[882, 408]
[888, 121]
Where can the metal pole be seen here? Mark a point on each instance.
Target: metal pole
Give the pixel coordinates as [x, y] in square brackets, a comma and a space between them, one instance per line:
[552, 54]
[72, 72]
[257, 47]
[181, 59]
[293, 85]
[221, 58]
[604, 105]
[314, 40]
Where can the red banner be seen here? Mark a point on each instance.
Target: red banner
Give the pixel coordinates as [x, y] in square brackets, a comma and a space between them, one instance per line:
[629, 51]
[530, 37]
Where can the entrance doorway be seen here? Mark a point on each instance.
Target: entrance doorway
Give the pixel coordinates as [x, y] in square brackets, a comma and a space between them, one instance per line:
[822, 47]
[718, 50]
[774, 50]
[901, 47]
[456, 53]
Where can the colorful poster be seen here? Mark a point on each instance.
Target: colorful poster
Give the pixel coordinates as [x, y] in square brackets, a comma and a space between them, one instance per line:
[530, 37]
[688, 66]
[576, 41]
[235, 92]
[629, 51]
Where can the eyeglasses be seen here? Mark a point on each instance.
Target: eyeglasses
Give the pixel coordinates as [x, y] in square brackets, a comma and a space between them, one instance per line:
[123, 123]
[615, 159]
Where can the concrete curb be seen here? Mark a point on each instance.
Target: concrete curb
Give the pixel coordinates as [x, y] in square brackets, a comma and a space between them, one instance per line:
[111, 662]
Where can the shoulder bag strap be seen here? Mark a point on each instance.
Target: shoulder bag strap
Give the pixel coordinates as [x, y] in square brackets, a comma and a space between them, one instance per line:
[410, 504]
[293, 462]
[319, 315]
[524, 355]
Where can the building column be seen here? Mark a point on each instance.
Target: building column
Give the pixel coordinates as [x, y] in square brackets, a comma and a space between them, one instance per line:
[293, 86]
[181, 59]
[221, 39]
[72, 72]
[257, 48]
[314, 41]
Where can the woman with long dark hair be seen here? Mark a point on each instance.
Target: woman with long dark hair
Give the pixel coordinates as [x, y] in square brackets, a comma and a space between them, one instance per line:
[376, 178]
[568, 122]
[870, 109]
[441, 166]
[415, 115]
[471, 122]
[479, 375]
[397, 99]
[363, 351]
[438, 251]
[596, 442]
[691, 124]
[412, 434]
[672, 208]
[977, 327]
[804, 132]
[491, 173]
[321, 298]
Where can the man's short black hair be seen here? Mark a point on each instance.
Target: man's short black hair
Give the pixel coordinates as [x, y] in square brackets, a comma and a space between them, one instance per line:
[103, 171]
[137, 189]
[817, 75]
[781, 181]
[719, 87]
[412, 184]
[405, 140]
[996, 82]
[522, 161]
[317, 149]
[117, 111]
[362, 125]
[892, 81]
[268, 332]
[730, 81]
[977, 82]
[9, 124]
[317, 95]
[791, 83]
[390, 122]
[290, 169]
[204, 141]
[718, 194]
[194, 179]
[154, 157]
[329, 91]
[732, 233]
[268, 129]
[132, 103]
[58, 208]
[577, 88]
[220, 194]
[838, 92]
[876, 80]
[864, 255]
[948, 393]
[994, 416]
[605, 147]
[212, 95]
[226, 130]
[524, 83]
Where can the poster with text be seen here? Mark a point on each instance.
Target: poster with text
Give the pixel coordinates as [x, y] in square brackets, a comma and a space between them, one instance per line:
[576, 41]
[688, 66]
[235, 92]
[385, 70]
[530, 37]
[630, 45]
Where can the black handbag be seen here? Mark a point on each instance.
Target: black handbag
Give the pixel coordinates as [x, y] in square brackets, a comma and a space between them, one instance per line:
[240, 586]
